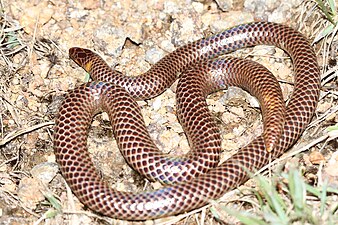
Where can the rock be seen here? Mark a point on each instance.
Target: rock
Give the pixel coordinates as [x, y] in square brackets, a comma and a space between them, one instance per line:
[45, 172]
[29, 192]
[37, 15]
[225, 5]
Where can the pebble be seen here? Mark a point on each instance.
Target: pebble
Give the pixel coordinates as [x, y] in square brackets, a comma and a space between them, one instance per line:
[271, 10]
[29, 192]
[45, 172]
[225, 5]
[198, 6]
[35, 15]
[167, 46]
[89, 4]
[170, 7]
[316, 158]
[153, 55]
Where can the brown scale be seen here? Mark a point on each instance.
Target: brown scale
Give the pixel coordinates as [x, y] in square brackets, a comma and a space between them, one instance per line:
[195, 84]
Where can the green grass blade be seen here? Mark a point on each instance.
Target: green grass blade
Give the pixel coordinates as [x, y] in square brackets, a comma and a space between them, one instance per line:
[332, 5]
[297, 190]
[245, 217]
[324, 9]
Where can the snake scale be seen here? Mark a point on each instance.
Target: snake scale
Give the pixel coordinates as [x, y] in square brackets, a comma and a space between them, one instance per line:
[200, 75]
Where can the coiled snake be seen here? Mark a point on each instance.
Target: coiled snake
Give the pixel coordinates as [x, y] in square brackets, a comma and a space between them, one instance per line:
[200, 76]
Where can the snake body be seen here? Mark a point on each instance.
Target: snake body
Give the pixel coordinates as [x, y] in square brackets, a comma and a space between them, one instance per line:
[80, 104]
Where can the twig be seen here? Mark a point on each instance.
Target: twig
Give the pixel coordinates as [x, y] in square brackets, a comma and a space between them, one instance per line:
[19, 132]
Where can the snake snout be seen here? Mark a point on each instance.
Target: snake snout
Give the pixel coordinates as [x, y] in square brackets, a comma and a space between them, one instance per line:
[72, 51]
[76, 53]
[80, 55]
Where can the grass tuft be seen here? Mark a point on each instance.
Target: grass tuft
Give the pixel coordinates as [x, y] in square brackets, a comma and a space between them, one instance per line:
[290, 201]
[329, 10]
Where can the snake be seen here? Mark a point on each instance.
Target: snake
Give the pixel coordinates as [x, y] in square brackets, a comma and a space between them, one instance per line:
[199, 74]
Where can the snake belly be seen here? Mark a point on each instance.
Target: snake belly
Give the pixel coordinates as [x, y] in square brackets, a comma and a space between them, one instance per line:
[70, 143]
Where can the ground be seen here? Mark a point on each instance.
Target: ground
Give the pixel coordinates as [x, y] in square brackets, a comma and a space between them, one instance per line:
[131, 36]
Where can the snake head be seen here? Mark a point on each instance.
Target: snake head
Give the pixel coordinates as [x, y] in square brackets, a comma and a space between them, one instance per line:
[82, 56]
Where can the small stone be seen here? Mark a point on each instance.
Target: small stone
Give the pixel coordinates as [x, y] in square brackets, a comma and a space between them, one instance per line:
[167, 45]
[15, 81]
[154, 55]
[230, 19]
[234, 92]
[36, 15]
[29, 192]
[198, 6]
[183, 144]
[170, 7]
[215, 105]
[237, 111]
[105, 116]
[316, 158]
[45, 172]
[283, 71]
[229, 145]
[238, 130]
[157, 104]
[253, 101]
[324, 106]
[228, 117]
[170, 140]
[225, 5]
[90, 4]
